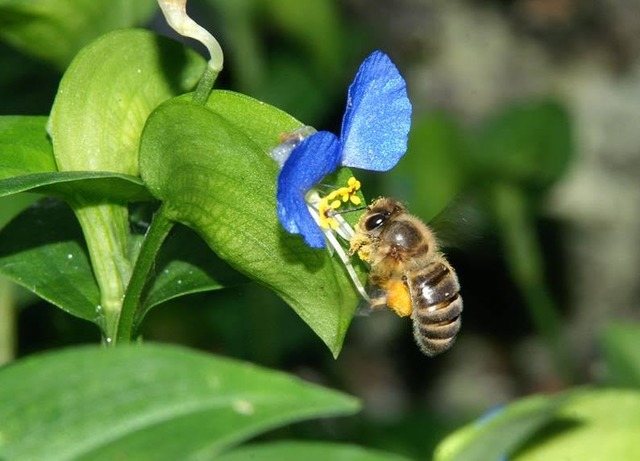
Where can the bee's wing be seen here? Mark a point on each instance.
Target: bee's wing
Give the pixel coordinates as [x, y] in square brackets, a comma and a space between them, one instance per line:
[364, 309]
[378, 299]
[460, 224]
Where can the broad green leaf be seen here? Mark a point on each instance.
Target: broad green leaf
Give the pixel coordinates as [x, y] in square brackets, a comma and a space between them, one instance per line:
[10, 207]
[307, 451]
[594, 426]
[621, 347]
[43, 250]
[24, 146]
[216, 180]
[27, 164]
[498, 435]
[530, 144]
[54, 30]
[146, 402]
[24, 149]
[48, 232]
[431, 173]
[187, 265]
[265, 124]
[92, 185]
[107, 94]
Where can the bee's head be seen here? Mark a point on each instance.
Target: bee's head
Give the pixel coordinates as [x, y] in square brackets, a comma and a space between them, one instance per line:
[378, 215]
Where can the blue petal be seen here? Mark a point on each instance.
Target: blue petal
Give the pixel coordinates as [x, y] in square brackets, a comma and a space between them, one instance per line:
[317, 156]
[376, 122]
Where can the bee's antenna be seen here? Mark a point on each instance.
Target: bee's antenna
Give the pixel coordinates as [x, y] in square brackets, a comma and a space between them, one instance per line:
[335, 212]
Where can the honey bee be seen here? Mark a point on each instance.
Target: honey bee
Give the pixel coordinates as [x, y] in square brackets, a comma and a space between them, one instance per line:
[409, 273]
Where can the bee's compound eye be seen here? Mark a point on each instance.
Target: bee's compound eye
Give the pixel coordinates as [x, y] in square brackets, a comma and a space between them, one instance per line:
[374, 221]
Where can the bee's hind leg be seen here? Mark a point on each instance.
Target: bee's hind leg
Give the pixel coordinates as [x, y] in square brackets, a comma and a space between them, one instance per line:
[377, 298]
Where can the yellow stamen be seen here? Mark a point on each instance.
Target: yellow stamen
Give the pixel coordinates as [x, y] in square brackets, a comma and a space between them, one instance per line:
[335, 199]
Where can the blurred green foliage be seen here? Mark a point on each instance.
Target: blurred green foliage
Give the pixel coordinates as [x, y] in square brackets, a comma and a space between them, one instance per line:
[298, 57]
[528, 144]
[65, 26]
[621, 343]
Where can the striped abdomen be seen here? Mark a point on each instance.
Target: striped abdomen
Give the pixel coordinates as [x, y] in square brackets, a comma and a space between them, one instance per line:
[437, 305]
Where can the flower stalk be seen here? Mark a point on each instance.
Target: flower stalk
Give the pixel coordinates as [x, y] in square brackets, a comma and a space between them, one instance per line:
[132, 304]
[175, 12]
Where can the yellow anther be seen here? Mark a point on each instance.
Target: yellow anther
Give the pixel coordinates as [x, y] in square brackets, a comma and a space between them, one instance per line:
[353, 184]
[328, 223]
[334, 200]
[324, 207]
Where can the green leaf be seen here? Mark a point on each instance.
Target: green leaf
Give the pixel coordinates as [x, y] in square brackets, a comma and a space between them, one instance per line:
[54, 30]
[27, 164]
[498, 435]
[431, 173]
[43, 250]
[594, 426]
[92, 185]
[621, 344]
[107, 94]
[529, 144]
[218, 181]
[307, 451]
[12, 206]
[147, 402]
[263, 127]
[186, 265]
[24, 146]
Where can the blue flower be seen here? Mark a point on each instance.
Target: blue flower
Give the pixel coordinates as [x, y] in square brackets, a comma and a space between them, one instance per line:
[374, 135]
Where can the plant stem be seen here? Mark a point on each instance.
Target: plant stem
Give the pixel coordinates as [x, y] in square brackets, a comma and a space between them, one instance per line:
[106, 231]
[525, 262]
[158, 231]
[201, 94]
[7, 321]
